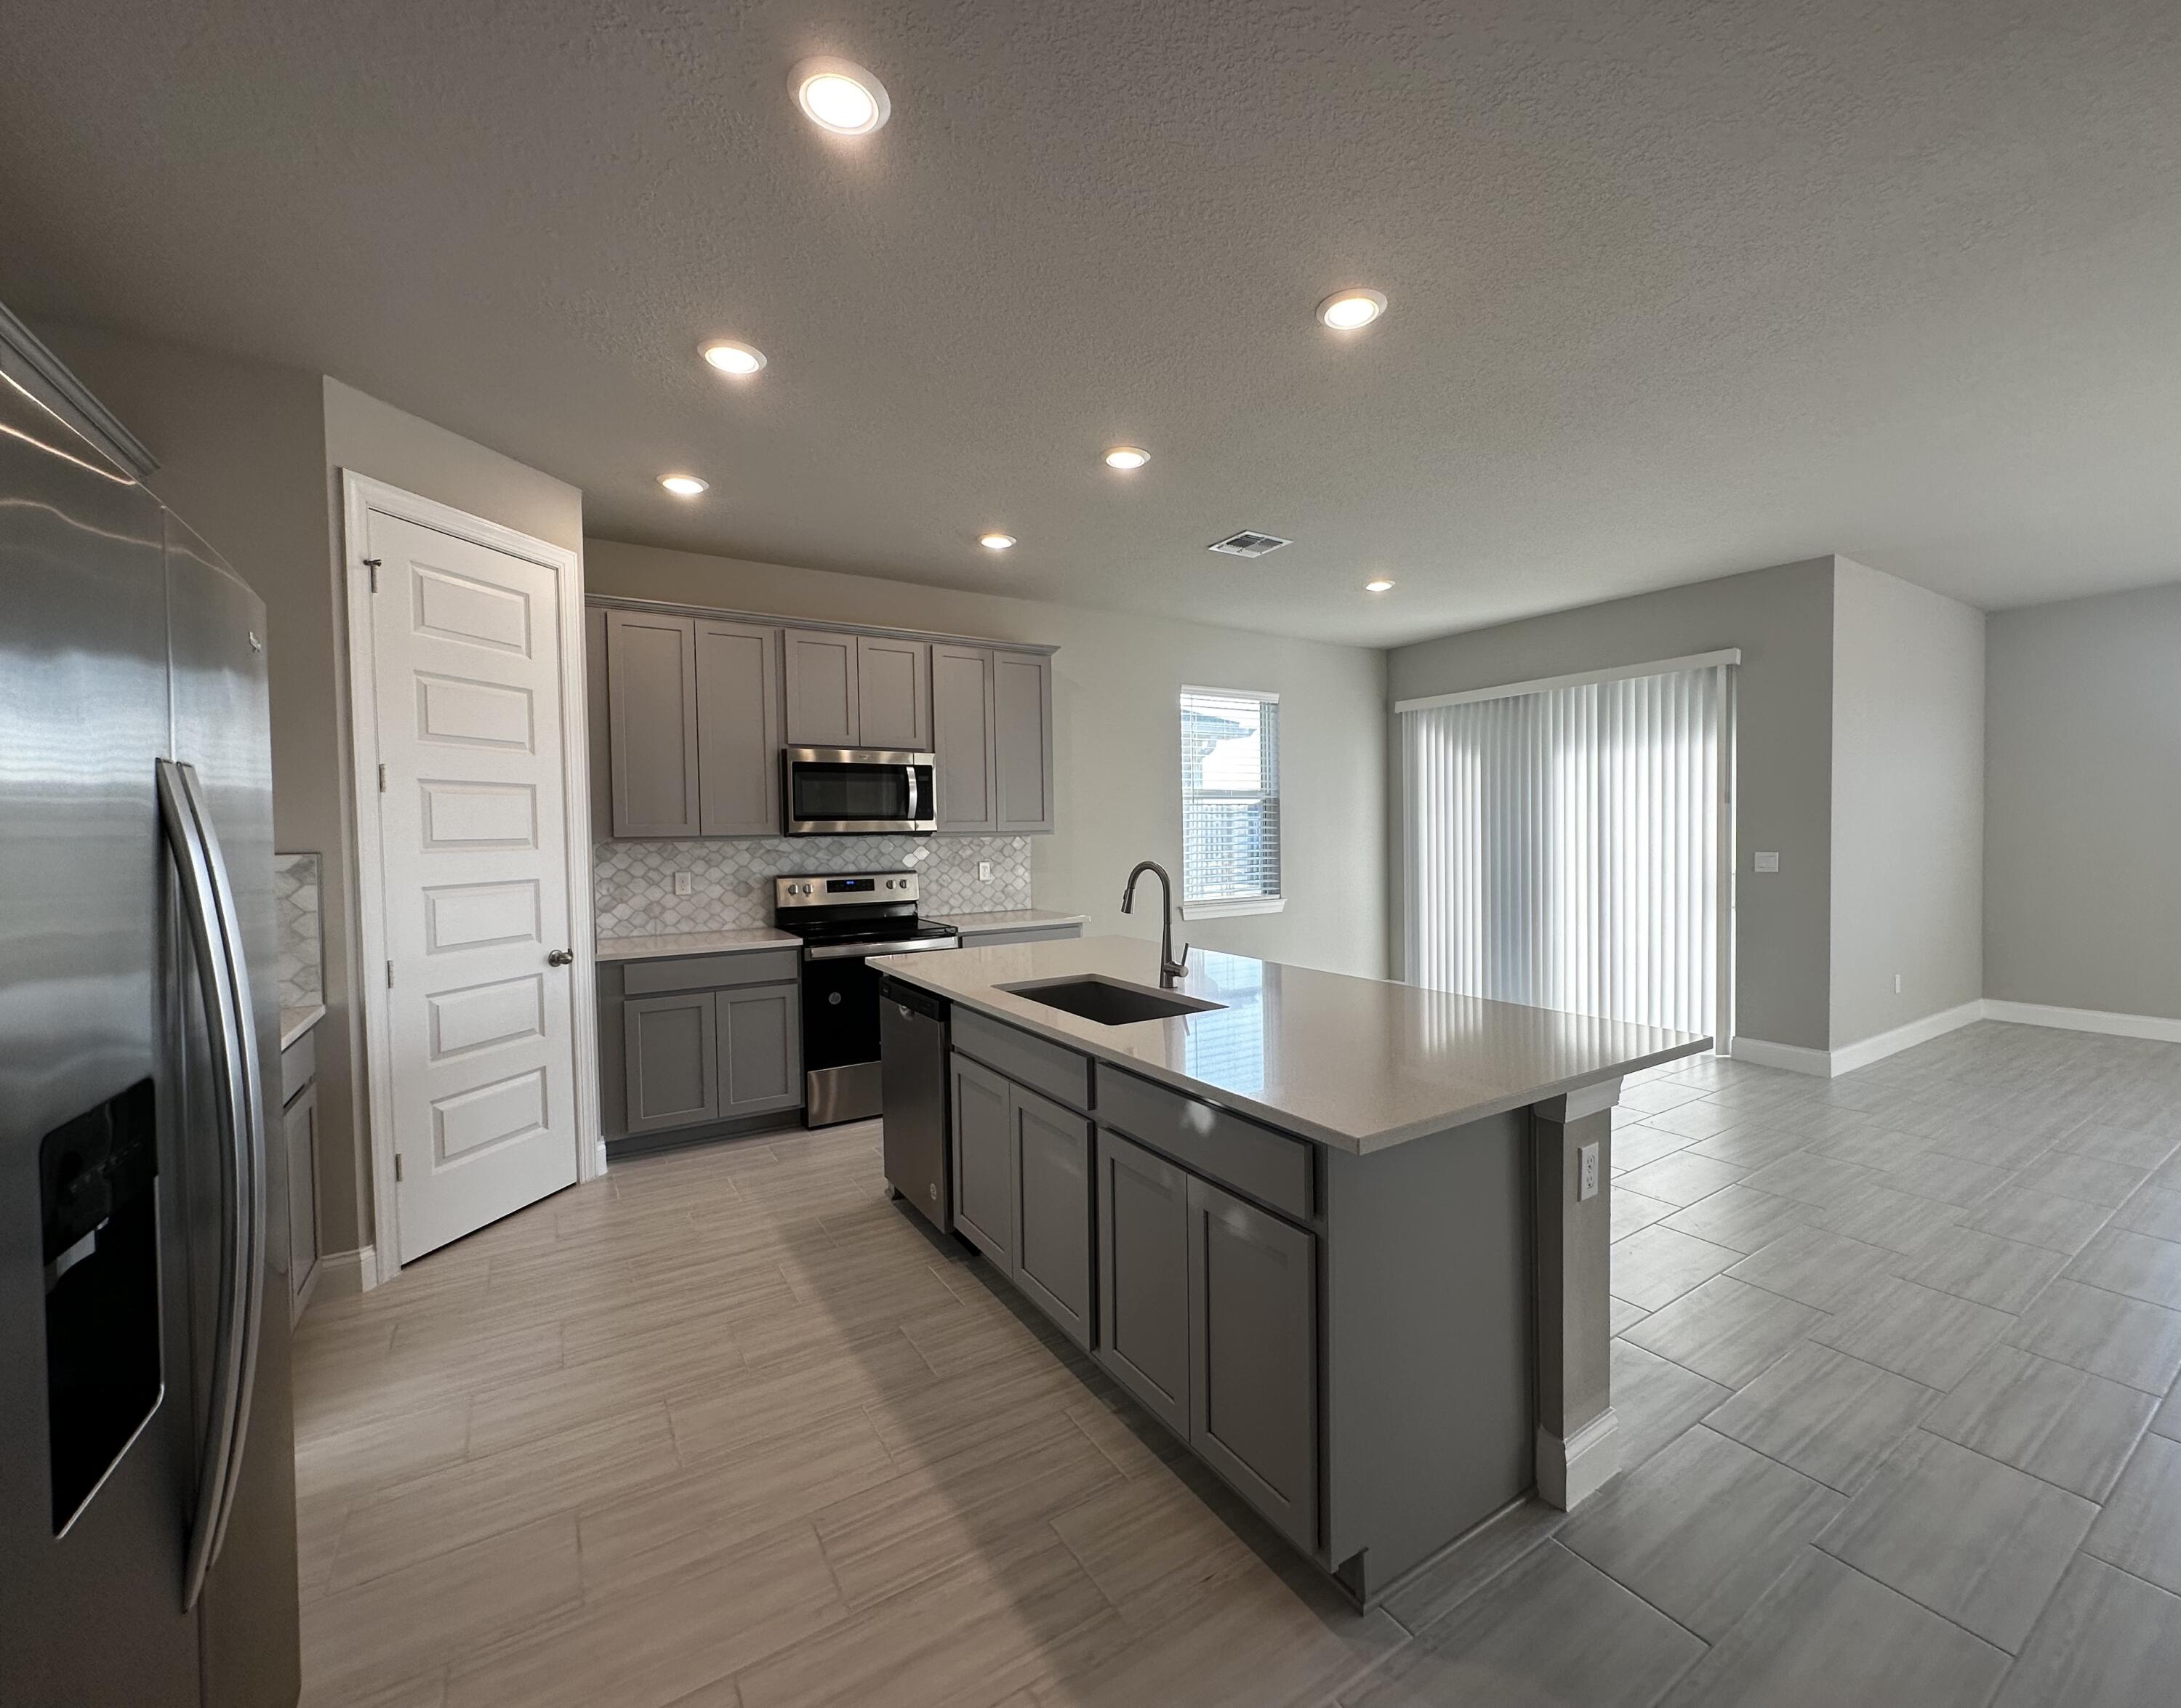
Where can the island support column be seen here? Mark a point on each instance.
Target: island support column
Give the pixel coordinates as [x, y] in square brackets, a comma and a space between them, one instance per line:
[1578, 1438]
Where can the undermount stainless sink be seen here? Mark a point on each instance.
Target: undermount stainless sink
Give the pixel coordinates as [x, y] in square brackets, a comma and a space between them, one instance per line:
[1109, 1001]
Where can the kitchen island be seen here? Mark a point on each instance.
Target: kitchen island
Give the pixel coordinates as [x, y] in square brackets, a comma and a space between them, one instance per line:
[1347, 1238]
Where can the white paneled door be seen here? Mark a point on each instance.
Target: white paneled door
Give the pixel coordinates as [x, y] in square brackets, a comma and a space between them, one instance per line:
[473, 804]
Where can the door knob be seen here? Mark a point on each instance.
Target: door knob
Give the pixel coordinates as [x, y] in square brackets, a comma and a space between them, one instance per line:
[560, 957]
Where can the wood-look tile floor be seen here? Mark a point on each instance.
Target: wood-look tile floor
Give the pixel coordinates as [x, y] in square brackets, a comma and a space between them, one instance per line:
[1897, 1377]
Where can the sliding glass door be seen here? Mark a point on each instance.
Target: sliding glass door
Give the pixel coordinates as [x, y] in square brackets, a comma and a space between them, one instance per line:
[1568, 846]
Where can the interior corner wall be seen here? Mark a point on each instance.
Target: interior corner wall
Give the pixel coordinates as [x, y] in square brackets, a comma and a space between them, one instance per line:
[2083, 799]
[1116, 745]
[1782, 620]
[359, 433]
[241, 451]
[1907, 803]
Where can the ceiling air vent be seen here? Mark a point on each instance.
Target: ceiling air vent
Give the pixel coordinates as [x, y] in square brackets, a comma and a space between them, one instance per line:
[1246, 544]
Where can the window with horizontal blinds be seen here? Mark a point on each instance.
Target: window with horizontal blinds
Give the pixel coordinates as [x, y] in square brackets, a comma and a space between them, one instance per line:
[1564, 847]
[1230, 798]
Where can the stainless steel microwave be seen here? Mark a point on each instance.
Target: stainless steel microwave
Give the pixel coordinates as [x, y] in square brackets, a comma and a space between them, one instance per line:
[858, 791]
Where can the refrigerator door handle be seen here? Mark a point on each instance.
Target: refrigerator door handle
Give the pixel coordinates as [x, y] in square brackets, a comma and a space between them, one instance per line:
[246, 1109]
[207, 932]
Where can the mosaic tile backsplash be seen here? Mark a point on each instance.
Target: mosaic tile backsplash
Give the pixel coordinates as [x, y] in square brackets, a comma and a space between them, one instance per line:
[301, 961]
[731, 878]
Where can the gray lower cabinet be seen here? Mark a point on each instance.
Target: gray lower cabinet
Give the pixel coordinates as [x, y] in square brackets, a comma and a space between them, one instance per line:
[1051, 1164]
[984, 1161]
[1253, 1355]
[1143, 1276]
[673, 1060]
[299, 1129]
[760, 1048]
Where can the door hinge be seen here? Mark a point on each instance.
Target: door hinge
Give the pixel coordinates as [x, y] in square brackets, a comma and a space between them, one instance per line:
[390, 975]
[397, 1166]
[381, 779]
[371, 564]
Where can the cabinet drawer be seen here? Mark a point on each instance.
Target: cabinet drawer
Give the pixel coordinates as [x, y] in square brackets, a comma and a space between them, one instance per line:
[299, 1065]
[1269, 1166]
[711, 972]
[1061, 1074]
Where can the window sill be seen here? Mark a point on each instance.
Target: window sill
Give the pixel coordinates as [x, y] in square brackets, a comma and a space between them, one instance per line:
[1223, 910]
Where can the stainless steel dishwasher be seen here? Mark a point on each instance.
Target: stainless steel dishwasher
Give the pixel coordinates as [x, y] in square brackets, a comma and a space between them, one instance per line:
[913, 1028]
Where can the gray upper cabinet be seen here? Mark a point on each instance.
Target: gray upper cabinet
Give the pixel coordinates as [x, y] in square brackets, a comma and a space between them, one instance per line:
[1052, 1209]
[737, 708]
[962, 737]
[1022, 741]
[673, 1060]
[651, 678]
[760, 1048]
[984, 1166]
[1143, 1276]
[893, 693]
[1253, 1355]
[823, 709]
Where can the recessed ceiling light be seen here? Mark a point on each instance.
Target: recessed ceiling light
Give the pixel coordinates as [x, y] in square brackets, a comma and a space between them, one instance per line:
[839, 95]
[1350, 310]
[1127, 457]
[730, 357]
[1377, 584]
[683, 486]
[996, 542]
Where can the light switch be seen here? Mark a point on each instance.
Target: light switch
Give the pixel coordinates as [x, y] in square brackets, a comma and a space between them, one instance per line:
[984, 870]
[1768, 863]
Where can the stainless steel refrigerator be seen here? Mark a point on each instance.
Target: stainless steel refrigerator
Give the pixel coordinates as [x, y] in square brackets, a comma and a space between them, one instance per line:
[148, 1524]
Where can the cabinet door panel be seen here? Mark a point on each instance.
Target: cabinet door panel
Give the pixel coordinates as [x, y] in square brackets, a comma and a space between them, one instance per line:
[893, 693]
[962, 736]
[739, 729]
[1052, 1210]
[1253, 1365]
[1022, 740]
[672, 1061]
[1143, 1276]
[983, 1161]
[651, 723]
[760, 1048]
[821, 690]
[300, 1127]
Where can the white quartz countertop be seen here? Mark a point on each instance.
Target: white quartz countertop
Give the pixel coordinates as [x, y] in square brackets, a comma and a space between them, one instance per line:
[695, 943]
[1011, 919]
[298, 1019]
[1360, 1064]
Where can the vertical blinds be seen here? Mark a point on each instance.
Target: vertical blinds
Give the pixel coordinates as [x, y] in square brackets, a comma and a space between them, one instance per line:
[1563, 847]
[1230, 796]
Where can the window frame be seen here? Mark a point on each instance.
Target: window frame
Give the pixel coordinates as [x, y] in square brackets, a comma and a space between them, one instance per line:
[1220, 908]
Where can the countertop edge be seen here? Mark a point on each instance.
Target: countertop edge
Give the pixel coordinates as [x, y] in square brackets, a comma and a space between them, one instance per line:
[902, 967]
[1031, 919]
[306, 1018]
[671, 944]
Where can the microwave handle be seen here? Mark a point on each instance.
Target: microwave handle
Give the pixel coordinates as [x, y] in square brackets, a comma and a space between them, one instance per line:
[915, 792]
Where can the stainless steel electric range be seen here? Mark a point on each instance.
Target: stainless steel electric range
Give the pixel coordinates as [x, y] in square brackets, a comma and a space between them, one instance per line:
[843, 918]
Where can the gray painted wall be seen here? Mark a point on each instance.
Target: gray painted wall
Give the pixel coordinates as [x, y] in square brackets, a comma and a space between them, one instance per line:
[1782, 620]
[2083, 804]
[1907, 860]
[1117, 741]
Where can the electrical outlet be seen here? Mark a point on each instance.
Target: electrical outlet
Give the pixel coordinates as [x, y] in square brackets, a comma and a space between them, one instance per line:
[681, 883]
[984, 870]
[1768, 863]
[1896, 984]
[1586, 1172]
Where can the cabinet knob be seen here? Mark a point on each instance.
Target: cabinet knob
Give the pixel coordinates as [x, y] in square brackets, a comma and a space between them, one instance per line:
[560, 957]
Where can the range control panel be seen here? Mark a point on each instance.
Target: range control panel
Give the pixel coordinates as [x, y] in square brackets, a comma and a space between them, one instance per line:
[822, 891]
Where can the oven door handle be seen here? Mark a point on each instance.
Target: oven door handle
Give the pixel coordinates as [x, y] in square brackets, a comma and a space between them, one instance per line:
[857, 951]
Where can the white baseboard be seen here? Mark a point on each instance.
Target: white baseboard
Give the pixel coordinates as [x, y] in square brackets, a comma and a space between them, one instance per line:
[1848, 1057]
[1792, 1057]
[2156, 1027]
[1570, 1471]
[343, 1273]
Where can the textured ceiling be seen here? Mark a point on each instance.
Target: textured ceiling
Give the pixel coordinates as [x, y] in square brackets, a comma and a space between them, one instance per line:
[1678, 289]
